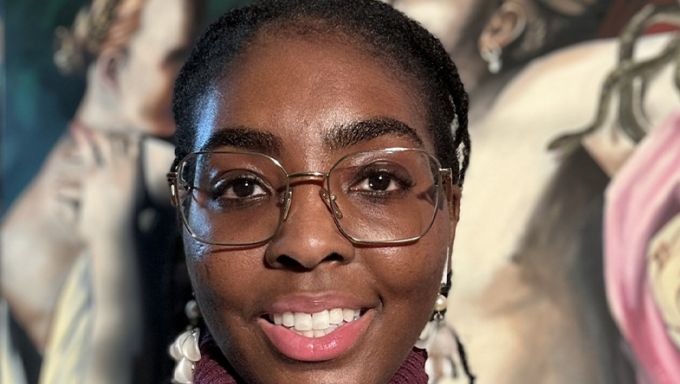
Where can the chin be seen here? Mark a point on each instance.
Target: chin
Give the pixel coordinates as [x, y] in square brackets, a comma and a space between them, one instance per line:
[327, 373]
[155, 124]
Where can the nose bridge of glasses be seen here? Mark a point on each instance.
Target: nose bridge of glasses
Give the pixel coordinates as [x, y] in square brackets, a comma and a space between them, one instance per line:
[299, 177]
[318, 177]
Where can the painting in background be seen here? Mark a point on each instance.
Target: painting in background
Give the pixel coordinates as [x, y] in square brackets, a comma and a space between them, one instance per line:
[557, 276]
[93, 284]
[42, 100]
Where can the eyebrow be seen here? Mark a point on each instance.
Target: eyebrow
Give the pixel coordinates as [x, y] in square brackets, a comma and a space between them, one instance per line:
[353, 133]
[244, 138]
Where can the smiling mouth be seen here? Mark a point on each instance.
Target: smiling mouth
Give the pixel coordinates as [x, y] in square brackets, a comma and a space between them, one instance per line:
[315, 325]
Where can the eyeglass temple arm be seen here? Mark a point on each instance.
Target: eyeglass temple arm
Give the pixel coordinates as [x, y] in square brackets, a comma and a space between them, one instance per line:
[172, 183]
[446, 175]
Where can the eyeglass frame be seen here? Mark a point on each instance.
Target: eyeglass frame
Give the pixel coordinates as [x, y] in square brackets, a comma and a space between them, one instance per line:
[444, 181]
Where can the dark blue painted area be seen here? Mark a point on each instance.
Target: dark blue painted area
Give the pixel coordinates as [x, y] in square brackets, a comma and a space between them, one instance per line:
[39, 101]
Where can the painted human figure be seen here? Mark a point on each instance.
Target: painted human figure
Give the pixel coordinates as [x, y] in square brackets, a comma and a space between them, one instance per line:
[72, 269]
[531, 305]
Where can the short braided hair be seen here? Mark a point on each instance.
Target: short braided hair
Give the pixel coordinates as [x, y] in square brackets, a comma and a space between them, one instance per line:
[386, 32]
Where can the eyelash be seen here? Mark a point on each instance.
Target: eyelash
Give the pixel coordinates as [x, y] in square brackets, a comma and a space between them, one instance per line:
[222, 185]
[403, 182]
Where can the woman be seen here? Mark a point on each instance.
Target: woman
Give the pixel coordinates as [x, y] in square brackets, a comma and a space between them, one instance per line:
[79, 274]
[536, 293]
[322, 146]
[492, 40]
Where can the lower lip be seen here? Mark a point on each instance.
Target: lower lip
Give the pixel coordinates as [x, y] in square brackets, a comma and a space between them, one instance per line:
[329, 347]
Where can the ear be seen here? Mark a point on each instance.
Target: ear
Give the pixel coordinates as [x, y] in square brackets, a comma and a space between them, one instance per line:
[453, 199]
[107, 69]
[504, 27]
[454, 202]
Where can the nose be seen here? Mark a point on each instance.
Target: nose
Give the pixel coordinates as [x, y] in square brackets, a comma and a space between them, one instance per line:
[308, 237]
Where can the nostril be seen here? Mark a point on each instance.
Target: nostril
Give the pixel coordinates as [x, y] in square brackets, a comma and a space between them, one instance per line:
[299, 265]
[290, 263]
[334, 257]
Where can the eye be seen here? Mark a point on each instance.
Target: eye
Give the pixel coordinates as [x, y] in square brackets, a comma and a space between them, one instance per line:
[239, 188]
[242, 188]
[379, 181]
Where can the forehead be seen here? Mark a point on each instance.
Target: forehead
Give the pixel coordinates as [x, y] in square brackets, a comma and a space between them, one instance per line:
[164, 25]
[301, 87]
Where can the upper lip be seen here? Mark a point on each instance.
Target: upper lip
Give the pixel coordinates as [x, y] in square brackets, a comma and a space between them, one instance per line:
[316, 302]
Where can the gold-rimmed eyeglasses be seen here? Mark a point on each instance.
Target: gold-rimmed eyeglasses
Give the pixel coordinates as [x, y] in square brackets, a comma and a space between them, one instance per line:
[387, 196]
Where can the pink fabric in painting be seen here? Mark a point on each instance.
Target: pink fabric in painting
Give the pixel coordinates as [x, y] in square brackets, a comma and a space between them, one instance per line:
[643, 197]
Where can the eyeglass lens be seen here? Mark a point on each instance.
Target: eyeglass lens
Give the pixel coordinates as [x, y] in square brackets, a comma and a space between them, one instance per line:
[239, 198]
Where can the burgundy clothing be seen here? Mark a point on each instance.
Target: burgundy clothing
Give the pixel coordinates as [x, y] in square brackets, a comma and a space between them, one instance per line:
[214, 369]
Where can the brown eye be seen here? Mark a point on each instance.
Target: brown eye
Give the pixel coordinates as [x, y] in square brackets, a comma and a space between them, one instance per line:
[239, 190]
[381, 178]
[243, 188]
[381, 181]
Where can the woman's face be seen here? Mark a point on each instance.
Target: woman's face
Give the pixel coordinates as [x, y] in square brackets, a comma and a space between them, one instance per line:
[299, 93]
[152, 61]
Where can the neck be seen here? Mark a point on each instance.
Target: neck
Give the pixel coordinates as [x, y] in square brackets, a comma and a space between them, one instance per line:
[471, 67]
[94, 113]
[483, 96]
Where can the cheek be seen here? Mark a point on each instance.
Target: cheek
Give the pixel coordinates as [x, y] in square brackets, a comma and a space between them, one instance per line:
[410, 275]
[229, 289]
[424, 262]
[143, 83]
[219, 279]
[201, 274]
[409, 270]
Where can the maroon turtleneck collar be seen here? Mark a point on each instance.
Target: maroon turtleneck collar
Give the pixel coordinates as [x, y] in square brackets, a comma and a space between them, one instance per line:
[214, 369]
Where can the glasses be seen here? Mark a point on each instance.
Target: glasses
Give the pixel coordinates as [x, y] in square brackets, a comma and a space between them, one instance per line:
[387, 196]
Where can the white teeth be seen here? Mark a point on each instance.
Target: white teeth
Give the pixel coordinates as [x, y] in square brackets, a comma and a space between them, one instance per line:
[320, 320]
[348, 315]
[288, 319]
[316, 332]
[303, 321]
[316, 324]
[335, 316]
